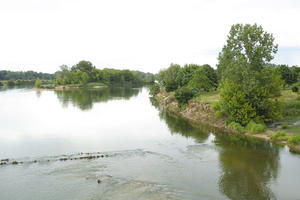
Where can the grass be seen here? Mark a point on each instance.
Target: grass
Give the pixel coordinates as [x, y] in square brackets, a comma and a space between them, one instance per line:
[279, 135]
[295, 139]
[208, 98]
[288, 95]
[255, 128]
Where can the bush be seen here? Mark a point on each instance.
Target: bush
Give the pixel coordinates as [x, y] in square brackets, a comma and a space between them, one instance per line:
[10, 83]
[183, 95]
[255, 128]
[38, 83]
[277, 135]
[284, 125]
[236, 126]
[154, 89]
[295, 89]
[1, 84]
[295, 139]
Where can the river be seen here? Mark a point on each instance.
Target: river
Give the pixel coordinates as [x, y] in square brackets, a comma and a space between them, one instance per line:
[114, 143]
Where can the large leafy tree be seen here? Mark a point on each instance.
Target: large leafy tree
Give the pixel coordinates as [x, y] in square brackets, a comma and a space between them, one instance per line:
[249, 88]
[169, 77]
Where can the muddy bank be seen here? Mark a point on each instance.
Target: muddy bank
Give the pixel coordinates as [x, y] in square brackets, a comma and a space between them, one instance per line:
[202, 114]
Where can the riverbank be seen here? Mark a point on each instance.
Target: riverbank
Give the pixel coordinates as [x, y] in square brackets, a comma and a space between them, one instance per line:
[203, 114]
[70, 86]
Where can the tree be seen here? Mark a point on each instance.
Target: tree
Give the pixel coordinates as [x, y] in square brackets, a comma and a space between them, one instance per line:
[200, 80]
[203, 78]
[38, 83]
[183, 95]
[289, 75]
[168, 77]
[84, 66]
[248, 88]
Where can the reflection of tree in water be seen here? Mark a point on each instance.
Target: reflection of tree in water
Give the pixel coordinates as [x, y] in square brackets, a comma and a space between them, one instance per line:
[248, 166]
[85, 98]
[180, 126]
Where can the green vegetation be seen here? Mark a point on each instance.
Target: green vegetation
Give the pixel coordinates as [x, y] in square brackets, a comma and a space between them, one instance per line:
[255, 128]
[38, 83]
[183, 95]
[85, 73]
[249, 89]
[28, 75]
[194, 77]
[237, 127]
[154, 89]
[278, 135]
[295, 139]
[245, 90]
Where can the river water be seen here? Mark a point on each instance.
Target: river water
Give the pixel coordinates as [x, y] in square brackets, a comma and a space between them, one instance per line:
[114, 143]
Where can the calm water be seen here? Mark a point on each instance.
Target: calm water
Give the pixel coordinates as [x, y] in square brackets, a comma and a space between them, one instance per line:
[149, 154]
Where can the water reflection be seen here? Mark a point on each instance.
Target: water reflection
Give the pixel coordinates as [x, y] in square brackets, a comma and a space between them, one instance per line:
[85, 98]
[247, 165]
[179, 126]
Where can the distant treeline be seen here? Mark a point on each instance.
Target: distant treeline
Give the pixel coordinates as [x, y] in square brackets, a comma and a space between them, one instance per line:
[80, 74]
[27, 75]
[85, 72]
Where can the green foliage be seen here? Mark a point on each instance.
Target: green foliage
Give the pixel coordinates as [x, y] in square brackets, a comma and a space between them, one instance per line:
[200, 78]
[289, 75]
[278, 135]
[84, 72]
[201, 81]
[255, 128]
[292, 108]
[248, 88]
[284, 125]
[295, 89]
[295, 139]
[1, 84]
[10, 83]
[83, 66]
[28, 75]
[183, 95]
[38, 83]
[236, 126]
[168, 77]
[154, 89]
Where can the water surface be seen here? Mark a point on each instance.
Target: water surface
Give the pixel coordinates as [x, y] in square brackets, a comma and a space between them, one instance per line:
[149, 154]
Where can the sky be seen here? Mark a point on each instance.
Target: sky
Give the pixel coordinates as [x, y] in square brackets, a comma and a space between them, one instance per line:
[145, 35]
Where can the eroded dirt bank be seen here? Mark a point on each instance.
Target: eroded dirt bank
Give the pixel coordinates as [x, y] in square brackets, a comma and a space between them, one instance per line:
[202, 114]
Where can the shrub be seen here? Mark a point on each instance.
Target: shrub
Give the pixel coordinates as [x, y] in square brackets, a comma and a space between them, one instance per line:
[277, 135]
[154, 89]
[183, 95]
[38, 83]
[255, 128]
[236, 126]
[295, 89]
[284, 125]
[1, 84]
[295, 139]
[10, 83]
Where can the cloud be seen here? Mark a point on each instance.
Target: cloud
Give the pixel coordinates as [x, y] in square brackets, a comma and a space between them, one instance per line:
[135, 34]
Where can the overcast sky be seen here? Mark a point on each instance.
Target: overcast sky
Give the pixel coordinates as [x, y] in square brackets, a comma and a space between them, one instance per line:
[146, 35]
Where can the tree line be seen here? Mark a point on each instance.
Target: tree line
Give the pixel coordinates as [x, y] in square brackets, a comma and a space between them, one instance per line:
[24, 75]
[85, 72]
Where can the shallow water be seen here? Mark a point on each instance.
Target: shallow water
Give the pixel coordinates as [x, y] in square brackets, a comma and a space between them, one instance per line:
[135, 150]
